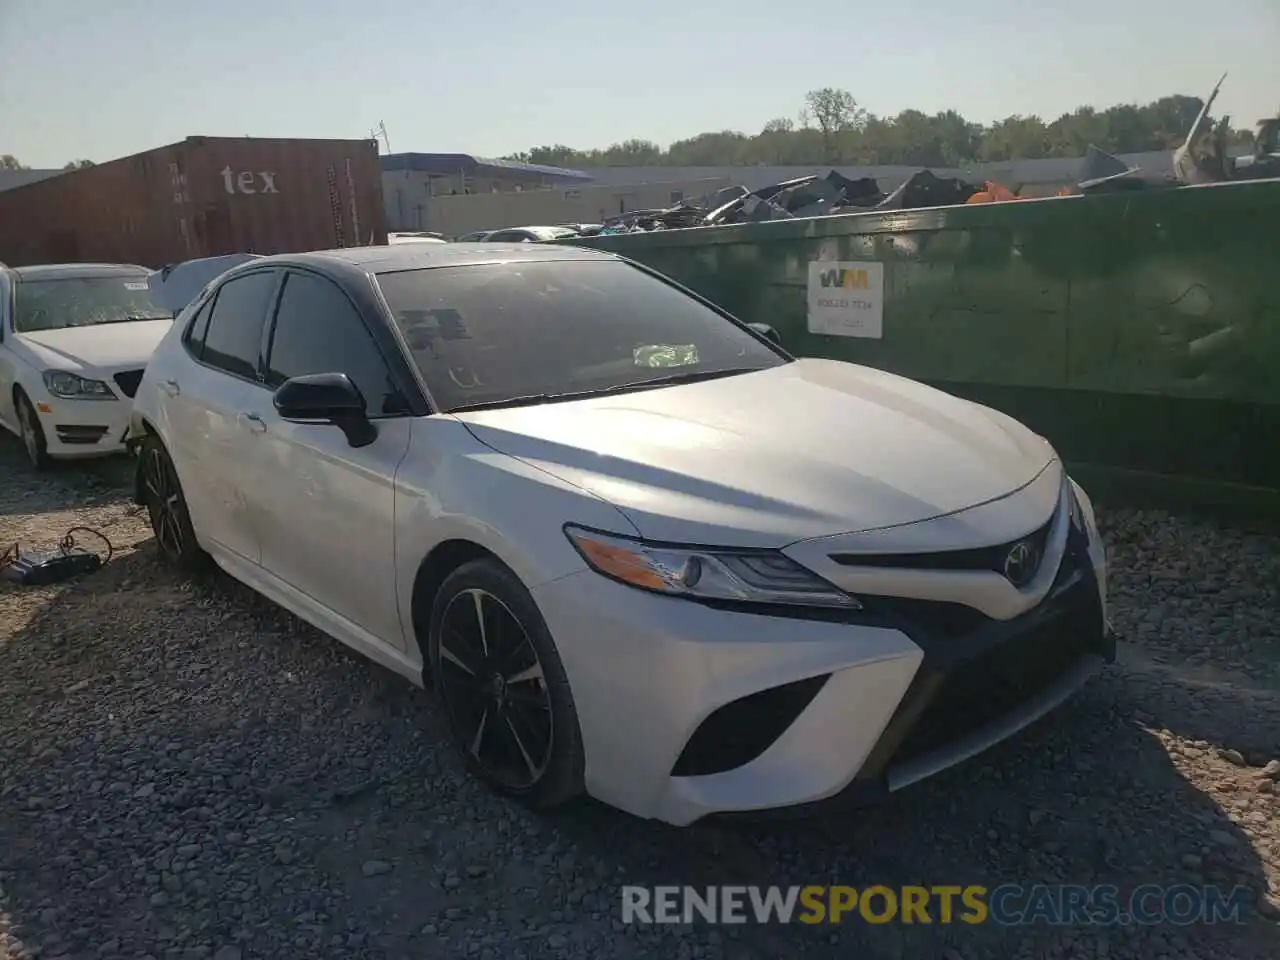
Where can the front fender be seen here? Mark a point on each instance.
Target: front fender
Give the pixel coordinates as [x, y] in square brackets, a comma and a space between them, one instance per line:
[450, 486]
[138, 432]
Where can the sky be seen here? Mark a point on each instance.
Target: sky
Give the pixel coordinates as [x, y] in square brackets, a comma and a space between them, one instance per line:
[97, 80]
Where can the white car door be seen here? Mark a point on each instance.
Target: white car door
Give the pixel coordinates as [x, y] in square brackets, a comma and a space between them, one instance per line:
[207, 392]
[8, 360]
[327, 519]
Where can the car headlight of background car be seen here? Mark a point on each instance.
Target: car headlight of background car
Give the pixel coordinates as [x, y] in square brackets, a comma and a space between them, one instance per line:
[745, 576]
[68, 386]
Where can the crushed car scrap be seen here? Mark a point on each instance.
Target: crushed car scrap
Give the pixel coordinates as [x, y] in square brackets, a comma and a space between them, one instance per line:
[1203, 158]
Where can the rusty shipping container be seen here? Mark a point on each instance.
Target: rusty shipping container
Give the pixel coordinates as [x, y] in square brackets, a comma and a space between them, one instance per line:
[202, 197]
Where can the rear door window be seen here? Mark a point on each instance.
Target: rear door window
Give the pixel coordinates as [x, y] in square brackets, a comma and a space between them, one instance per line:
[199, 327]
[233, 341]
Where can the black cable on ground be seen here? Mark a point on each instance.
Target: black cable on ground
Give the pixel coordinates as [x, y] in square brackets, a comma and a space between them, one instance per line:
[67, 561]
[68, 542]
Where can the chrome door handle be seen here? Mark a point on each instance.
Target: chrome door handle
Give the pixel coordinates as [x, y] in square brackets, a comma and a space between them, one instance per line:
[254, 422]
[171, 387]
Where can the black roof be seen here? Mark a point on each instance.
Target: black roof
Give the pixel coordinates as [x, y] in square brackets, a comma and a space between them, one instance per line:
[77, 271]
[418, 256]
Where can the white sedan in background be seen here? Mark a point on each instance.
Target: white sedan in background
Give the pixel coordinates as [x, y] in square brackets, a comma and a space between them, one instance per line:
[394, 239]
[640, 550]
[74, 339]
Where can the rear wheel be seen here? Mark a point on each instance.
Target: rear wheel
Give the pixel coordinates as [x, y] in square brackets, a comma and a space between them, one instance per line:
[167, 508]
[32, 434]
[503, 687]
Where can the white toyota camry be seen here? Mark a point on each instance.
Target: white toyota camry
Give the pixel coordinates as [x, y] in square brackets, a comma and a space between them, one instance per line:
[639, 550]
[74, 339]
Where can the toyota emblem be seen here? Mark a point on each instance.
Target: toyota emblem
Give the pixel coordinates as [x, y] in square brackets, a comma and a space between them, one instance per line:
[1020, 563]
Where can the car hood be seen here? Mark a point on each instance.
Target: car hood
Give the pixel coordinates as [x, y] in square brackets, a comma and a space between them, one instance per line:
[177, 285]
[807, 449]
[108, 346]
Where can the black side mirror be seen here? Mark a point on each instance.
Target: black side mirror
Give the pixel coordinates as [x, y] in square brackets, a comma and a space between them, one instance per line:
[767, 332]
[327, 398]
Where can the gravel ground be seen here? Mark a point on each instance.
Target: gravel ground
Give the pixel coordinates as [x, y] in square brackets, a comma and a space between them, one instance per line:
[186, 771]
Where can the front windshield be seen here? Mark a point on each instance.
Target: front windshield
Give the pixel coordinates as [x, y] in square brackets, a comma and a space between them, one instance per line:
[54, 304]
[496, 332]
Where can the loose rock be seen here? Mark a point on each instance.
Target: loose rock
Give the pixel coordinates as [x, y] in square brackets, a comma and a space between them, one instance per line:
[223, 778]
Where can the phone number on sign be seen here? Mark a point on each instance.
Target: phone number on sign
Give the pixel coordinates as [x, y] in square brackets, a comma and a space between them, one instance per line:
[830, 304]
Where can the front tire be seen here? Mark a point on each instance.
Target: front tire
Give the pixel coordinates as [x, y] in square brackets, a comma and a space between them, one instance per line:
[503, 686]
[32, 434]
[167, 508]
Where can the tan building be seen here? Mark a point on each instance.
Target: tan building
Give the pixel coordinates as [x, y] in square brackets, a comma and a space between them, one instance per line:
[456, 215]
[411, 180]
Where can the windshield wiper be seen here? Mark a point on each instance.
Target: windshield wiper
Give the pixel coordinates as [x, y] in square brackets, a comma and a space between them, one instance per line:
[127, 318]
[669, 380]
[691, 376]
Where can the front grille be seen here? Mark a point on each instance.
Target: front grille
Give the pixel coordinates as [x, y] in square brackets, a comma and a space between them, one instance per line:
[1001, 679]
[127, 381]
[72, 434]
[948, 619]
[980, 558]
[939, 617]
[738, 732]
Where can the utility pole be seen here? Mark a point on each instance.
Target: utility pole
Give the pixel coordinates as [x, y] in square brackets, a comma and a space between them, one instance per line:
[380, 133]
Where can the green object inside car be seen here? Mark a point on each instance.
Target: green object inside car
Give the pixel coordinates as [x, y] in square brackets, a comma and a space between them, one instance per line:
[666, 355]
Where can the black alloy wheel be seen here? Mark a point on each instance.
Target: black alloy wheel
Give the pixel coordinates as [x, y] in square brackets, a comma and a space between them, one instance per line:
[503, 687]
[495, 689]
[167, 508]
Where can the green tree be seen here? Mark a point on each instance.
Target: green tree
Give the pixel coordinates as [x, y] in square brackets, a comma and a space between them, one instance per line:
[835, 112]
[78, 165]
[1015, 138]
[709, 149]
[772, 142]
[832, 128]
[9, 162]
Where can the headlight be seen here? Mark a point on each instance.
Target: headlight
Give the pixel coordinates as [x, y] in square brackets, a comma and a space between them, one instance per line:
[751, 576]
[68, 386]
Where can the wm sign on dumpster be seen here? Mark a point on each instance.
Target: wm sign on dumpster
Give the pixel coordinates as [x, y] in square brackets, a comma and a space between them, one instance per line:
[845, 277]
[846, 298]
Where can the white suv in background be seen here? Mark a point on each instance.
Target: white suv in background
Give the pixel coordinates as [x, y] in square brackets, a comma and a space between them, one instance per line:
[74, 340]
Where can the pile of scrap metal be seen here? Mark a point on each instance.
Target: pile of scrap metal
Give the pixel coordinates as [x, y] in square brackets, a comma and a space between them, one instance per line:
[812, 196]
[685, 214]
[835, 194]
[1203, 158]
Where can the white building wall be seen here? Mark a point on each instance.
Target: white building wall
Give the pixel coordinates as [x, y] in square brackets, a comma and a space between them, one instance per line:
[456, 215]
[407, 194]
